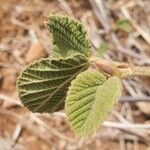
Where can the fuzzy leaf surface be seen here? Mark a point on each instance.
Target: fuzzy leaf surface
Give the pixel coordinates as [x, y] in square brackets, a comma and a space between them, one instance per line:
[43, 85]
[69, 35]
[90, 98]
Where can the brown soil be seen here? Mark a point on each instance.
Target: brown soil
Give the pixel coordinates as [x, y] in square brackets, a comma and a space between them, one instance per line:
[20, 21]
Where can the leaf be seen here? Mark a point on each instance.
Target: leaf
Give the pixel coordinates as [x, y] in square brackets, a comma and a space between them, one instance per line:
[90, 98]
[102, 49]
[68, 35]
[43, 85]
[124, 25]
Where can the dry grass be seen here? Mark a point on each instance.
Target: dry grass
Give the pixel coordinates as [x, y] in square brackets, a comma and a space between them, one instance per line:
[22, 25]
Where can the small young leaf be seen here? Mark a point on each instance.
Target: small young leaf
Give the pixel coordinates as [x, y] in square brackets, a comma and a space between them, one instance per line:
[68, 35]
[43, 85]
[102, 49]
[124, 25]
[90, 98]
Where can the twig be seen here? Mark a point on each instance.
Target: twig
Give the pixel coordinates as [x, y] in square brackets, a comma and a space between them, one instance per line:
[95, 39]
[115, 135]
[126, 126]
[16, 134]
[6, 144]
[38, 131]
[100, 12]
[140, 130]
[19, 23]
[65, 6]
[139, 29]
[129, 88]
[7, 65]
[52, 130]
[10, 99]
[125, 50]
[131, 99]
[119, 117]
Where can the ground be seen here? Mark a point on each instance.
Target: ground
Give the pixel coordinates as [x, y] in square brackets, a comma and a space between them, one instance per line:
[24, 38]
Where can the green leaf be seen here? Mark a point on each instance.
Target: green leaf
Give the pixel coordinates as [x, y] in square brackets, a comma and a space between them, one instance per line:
[68, 35]
[43, 85]
[102, 49]
[90, 98]
[124, 25]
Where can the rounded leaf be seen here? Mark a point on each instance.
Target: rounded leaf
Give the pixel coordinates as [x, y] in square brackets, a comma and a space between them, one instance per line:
[69, 35]
[43, 85]
[90, 98]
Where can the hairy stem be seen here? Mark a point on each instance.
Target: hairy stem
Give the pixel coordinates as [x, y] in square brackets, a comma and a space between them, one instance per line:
[141, 71]
[119, 69]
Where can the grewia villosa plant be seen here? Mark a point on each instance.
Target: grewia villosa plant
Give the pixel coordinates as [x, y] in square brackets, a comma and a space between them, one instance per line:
[67, 79]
